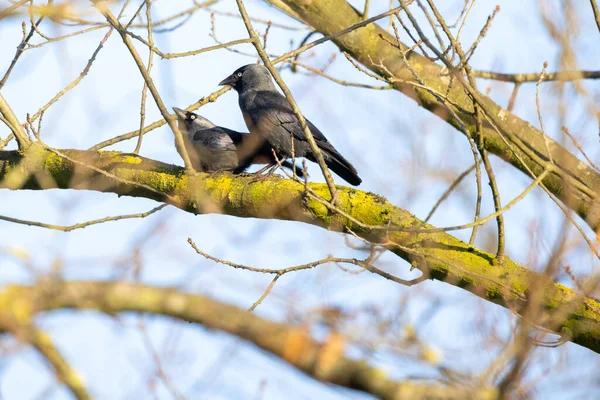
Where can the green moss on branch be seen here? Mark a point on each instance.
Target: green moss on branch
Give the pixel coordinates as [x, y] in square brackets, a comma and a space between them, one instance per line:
[438, 255]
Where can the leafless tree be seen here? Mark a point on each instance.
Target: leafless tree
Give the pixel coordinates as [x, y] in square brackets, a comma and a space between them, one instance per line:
[418, 48]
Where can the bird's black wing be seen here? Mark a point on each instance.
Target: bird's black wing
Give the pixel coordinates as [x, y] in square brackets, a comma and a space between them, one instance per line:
[276, 110]
[236, 137]
[214, 138]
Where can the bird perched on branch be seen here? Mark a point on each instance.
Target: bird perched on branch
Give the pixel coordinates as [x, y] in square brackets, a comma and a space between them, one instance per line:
[214, 148]
[273, 124]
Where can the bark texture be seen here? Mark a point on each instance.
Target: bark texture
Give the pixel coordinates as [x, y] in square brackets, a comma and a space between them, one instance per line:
[439, 255]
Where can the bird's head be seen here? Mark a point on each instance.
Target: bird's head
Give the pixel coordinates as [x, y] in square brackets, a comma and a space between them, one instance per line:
[251, 76]
[190, 122]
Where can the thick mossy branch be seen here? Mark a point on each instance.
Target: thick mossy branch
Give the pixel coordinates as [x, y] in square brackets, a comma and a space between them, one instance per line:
[438, 255]
[322, 360]
[373, 47]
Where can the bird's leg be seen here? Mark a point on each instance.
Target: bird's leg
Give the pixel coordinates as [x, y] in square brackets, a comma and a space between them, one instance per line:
[263, 169]
[271, 170]
[212, 174]
[260, 176]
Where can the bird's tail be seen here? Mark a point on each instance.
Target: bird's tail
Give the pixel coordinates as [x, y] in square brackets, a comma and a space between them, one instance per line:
[293, 167]
[338, 164]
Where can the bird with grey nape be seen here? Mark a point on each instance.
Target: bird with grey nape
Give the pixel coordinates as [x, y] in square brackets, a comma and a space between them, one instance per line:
[273, 124]
[213, 148]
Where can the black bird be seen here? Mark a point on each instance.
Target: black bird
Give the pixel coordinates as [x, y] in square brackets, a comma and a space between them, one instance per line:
[215, 148]
[272, 122]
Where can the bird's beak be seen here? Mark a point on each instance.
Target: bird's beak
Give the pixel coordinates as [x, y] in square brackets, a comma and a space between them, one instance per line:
[229, 81]
[179, 112]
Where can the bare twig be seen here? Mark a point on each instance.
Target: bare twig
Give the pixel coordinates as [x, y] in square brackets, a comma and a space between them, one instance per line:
[154, 49]
[513, 97]
[596, 13]
[76, 81]
[9, 10]
[493, 185]
[67, 36]
[20, 50]
[365, 13]
[148, 79]
[481, 35]
[562, 76]
[4, 142]
[279, 272]
[148, 69]
[157, 124]
[339, 81]
[82, 224]
[13, 123]
[157, 361]
[265, 294]
[539, 110]
[450, 189]
[566, 131]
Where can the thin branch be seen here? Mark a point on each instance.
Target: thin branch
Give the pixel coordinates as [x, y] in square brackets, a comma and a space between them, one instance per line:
[20, 49]
[260, 21]
[561, 76]
[448, 191]
[513, 97]
[64, 372]
[4, 142]
[596, 13]
[82, 224]
[154, 49]
[148, 69]
[173, 17]
[211, 98]
[566, 131]
[342, 82]
[9, 10]
[494, 187]
[365, 13]
[102, 7]
[156, 357]
[13, 123]
[364, 264]
[265, 294]
[67, 36]
[482, 33]
[539, 110]
[76, 82]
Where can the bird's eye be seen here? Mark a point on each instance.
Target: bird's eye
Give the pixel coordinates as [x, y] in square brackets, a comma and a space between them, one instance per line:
[192, 117]
[239, 74]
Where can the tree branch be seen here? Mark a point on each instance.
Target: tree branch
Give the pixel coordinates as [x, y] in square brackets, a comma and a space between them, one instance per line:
[437, 254]
[562, 76]
[321, 360]
[13, 123]
[572, 181]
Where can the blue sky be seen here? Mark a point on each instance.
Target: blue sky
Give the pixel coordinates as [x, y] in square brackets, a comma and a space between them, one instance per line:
[399, 149]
